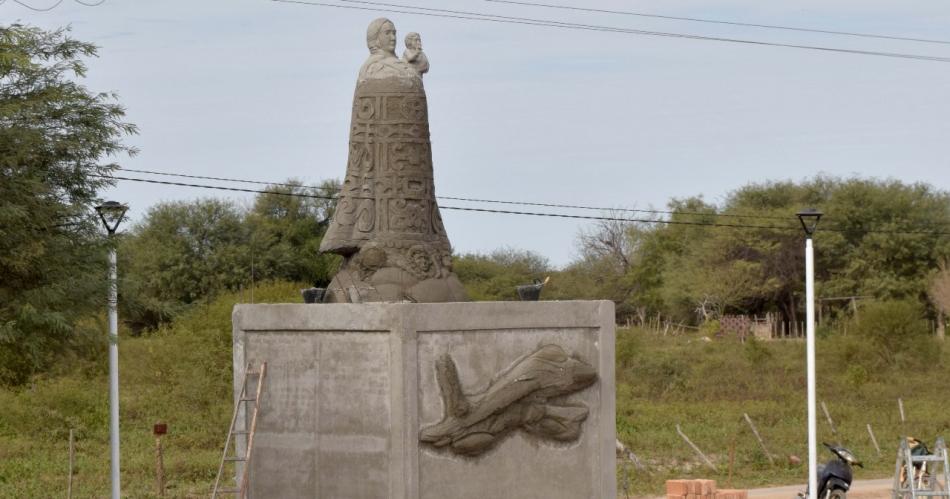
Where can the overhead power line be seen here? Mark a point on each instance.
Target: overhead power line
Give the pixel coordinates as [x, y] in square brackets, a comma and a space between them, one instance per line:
[332, 191]
[718, 21]
[39, 9]
[218, 187]
[51, 7]
[474, 200]
[537, 214]
[460, 208]
[477, 16]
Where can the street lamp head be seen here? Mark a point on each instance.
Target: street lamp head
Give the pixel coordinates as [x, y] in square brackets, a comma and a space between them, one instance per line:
[111, 213]
[809, 218]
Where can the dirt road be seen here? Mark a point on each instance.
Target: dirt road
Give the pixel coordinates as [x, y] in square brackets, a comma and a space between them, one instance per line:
[860, 489]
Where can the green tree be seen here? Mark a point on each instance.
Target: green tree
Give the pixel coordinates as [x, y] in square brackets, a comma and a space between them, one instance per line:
[666, 263]
[939, 292]
[878, 239]
[895, 331]
[182, 252]
[54, 137]
[186, 252]
[748, 269]
[884, 242]
[286, 230]
[494, 276]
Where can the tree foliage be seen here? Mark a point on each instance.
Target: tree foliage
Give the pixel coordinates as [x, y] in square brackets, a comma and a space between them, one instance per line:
[186, 252]
[940, 296]
[878, 239]
[494, 276]
[180, 253]
[286, 231]
[55, 136]
[894, 330]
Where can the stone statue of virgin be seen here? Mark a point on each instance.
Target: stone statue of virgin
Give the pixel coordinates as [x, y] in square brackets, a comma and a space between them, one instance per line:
[387, 224]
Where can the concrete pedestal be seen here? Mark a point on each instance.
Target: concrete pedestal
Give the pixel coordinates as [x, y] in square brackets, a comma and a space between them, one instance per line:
[349, 386]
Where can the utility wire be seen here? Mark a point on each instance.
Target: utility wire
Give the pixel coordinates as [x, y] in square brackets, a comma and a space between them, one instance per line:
[51, 7]
[225, 179]
[461, 208]
[716, 21]
[47, 9]
[333, 191]
[218, 187]
[473, 200]
[537, 214]
[476, 16]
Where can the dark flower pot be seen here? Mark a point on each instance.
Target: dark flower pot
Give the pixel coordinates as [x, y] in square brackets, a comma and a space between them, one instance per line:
[529, 292]
[313, 295]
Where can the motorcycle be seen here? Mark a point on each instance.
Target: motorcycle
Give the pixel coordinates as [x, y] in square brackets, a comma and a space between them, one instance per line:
[834, 477]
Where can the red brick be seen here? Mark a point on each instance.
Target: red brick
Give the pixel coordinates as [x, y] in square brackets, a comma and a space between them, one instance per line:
[695, 487]
[677, 487]
[707, 487]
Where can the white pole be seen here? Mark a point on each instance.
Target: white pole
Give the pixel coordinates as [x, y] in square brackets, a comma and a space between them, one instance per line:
[810, 354]
[114, 373]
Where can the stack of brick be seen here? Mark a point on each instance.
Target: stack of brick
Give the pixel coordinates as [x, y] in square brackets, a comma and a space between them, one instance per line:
[701, 489]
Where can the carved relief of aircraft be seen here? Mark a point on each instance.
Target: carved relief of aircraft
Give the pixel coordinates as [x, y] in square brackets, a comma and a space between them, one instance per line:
[519, 398]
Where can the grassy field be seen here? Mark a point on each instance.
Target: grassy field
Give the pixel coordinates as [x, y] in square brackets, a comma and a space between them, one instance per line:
[707, 386]
[181, 375]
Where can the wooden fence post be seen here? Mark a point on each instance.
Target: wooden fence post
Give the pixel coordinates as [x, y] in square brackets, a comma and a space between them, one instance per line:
[831, 423]
[757, 436]
[72, 454]
[159, 467]
[691, 444]
[159, 429]
[626, 480]
[874, 440]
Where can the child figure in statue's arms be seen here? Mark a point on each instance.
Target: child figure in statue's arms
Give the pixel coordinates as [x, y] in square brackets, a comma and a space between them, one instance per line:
[414, 54]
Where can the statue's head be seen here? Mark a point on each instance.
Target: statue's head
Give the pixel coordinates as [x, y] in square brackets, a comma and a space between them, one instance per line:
[413, 41]
[381, 36]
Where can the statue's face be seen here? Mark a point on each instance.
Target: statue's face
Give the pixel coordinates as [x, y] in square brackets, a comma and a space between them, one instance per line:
[387, 37]
[413, 41]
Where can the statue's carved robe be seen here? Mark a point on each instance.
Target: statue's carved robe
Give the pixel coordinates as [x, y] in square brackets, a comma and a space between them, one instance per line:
[387, 223]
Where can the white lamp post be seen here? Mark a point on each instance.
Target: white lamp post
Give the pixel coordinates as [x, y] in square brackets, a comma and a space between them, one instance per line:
[809, 219]
[111, 213]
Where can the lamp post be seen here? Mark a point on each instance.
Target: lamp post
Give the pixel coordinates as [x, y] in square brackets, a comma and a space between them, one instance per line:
[809, 219]
[111, 213]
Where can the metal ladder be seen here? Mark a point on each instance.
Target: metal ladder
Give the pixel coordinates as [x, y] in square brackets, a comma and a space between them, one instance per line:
[914, 485]
[248, 432]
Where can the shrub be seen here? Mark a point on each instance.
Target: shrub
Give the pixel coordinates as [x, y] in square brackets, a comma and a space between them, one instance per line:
[894, 329]
[756, 352]
[710, 328]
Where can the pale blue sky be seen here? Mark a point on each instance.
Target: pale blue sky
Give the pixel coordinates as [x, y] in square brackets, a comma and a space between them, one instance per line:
[262, 90]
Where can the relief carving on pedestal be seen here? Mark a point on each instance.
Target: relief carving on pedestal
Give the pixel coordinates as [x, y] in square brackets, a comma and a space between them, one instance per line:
[517, 398]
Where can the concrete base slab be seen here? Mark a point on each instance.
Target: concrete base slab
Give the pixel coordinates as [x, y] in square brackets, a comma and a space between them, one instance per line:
[349, 387]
